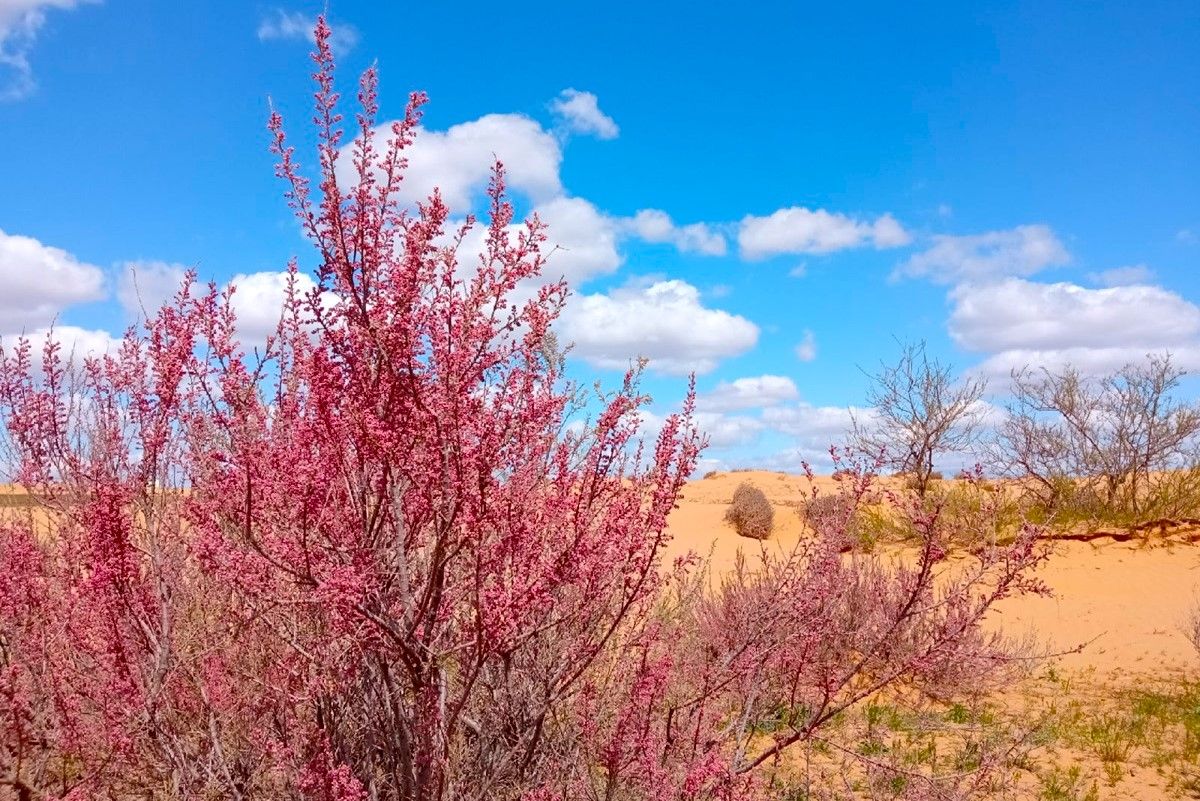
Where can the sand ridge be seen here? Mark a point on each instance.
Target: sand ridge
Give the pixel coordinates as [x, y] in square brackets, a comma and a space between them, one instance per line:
[1124, 601]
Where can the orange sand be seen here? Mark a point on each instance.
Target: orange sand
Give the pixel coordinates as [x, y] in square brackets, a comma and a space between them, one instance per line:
[1127, 600]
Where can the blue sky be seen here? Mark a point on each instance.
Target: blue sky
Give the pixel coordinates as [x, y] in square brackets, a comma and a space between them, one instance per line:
[770, 195]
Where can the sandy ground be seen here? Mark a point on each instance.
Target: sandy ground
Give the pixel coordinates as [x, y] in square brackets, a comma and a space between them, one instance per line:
[1126, 601]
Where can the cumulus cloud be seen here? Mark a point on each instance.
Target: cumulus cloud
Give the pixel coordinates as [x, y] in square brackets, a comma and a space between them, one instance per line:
[801, 230]
[664, 322]
[709, 464]
[813, 430]
[76, 344]
[580, 113]
[650, 425]
[1024, 314]
[40, 281]
[748, 393]
[1023, 322]
[1021, 251]
[1087, 360]
[145, 286]
[294, 25]
[257, 302]
[655, 225]
[728, 431]
[20, 22]
[1123, 276]
[459, 160]
[723, 431]
[806, 349]
[582, 242]
[828, 424]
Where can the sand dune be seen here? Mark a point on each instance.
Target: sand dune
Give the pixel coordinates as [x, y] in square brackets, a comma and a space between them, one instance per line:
[1126, 601]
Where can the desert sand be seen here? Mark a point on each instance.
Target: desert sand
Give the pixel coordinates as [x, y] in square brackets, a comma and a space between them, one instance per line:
[1123, 602]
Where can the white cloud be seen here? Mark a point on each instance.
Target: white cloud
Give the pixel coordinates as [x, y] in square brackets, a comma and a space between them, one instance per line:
[799, 271]
[39, 281]
[664, 322]
[1022, 322]
[886, 232]
[813, 430]
[20, 22]
[459, 161]
[281, 24]
[726, 431]
[76, 343]
[723, 431]
[748, 393]
[1123, 276]
[581, 241]
[655, 225]
[145, 286]
[801, 230]
[827, 425]
[580, 113]
[806, 350]
[1088, 360]
[1024, 314]
[1187, 236]
[650, 425]
[709, 464]
[1021, 251]
[257, 302]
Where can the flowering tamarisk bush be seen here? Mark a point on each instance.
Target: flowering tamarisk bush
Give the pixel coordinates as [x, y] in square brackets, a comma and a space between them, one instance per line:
[373, 561]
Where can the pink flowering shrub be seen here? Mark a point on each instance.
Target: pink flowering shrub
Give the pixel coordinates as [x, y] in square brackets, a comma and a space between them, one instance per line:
[373, 562]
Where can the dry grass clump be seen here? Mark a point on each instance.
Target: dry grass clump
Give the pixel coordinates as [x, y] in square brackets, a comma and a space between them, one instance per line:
[1191, 624]
[750, 513]
[830, 513]
[913, 483]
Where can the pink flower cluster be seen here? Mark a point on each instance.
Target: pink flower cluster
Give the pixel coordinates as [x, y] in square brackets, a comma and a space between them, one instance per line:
[371, 559]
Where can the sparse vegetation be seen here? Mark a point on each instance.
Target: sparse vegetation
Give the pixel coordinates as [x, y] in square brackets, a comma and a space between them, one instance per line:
[1118, 448]
[1067, 785]
[394, 551]
[371, 561]
[913, 482]
[750, 512]
[1191, 623]
[919, 409]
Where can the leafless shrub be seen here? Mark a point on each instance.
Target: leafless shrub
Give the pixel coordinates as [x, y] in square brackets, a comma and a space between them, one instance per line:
[1115, 442]
[920, 410]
